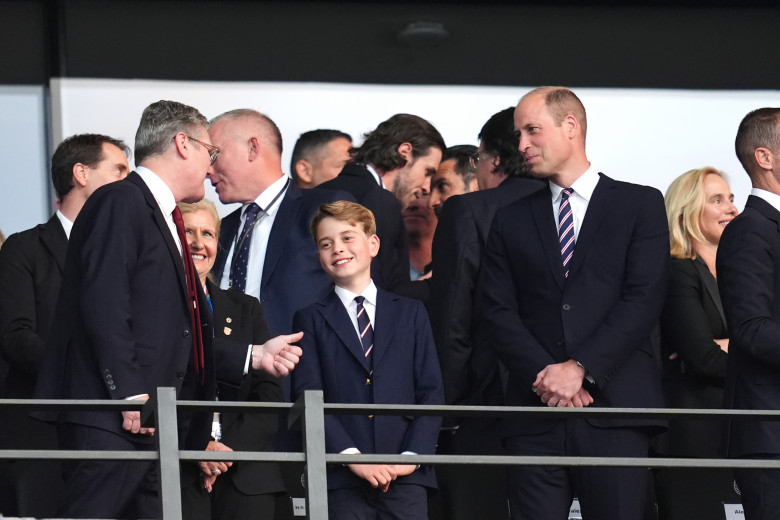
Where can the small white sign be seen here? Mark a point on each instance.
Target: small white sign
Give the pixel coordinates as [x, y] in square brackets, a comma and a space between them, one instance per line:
[575, 513]
[299, 506]
[734, 511]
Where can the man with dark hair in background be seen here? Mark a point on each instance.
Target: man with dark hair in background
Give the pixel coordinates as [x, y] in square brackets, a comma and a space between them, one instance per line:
[395, 156]
[456, 175]
[129, 321]
[747, 267]
[319, 156]
[31, 266]
[471, 374]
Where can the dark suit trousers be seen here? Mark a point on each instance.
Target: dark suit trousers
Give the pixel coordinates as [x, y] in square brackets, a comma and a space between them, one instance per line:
[107, 488]
[225, 502]
[759, 489]
[401, 502]
[537, 492]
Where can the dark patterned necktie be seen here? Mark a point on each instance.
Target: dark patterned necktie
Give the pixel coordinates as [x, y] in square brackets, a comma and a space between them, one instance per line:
[364, 324]
[566, 230]
[238, 267]
[192, 298]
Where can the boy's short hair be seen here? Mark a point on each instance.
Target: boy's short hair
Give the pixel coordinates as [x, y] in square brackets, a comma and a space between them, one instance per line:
[345, 211]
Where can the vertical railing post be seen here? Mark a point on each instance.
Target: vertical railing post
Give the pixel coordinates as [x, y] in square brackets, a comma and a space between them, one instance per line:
[314, 449]
[168, 439]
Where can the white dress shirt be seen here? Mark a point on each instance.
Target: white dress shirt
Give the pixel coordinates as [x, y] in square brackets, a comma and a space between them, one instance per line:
[768, 196]
[583, 192]
[260, 234]
[67, 225]
[348, 299]
[164, 197]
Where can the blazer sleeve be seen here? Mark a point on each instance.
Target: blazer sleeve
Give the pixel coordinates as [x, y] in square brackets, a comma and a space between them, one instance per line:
[685, 327]
[456, 257]
[746, 266]
[428, 388]
[308, 376]
[20, 345]
[500, 317]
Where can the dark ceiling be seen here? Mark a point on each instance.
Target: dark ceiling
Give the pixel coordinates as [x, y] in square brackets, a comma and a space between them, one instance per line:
[683, 44]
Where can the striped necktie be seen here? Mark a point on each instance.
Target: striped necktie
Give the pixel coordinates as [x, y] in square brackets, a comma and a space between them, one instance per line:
[240, 263]
[364, 325]
[566, 230]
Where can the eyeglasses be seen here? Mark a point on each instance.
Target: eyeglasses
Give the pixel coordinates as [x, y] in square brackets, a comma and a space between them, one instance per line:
[213, 150]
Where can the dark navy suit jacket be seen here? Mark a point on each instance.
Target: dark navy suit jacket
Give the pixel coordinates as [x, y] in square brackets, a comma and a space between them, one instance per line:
[405, 371]
[292, 275]
[122, 325]
[602, 315]
[749, 282]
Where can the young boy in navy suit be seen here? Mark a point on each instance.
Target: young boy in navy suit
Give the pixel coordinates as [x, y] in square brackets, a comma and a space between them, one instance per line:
[363, 345]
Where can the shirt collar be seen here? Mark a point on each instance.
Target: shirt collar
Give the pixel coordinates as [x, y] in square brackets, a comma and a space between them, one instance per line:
[375, 174]
[583, 186]
[347, 297]
[264, 199]
[768, 196]
[161, 192]
[67, 225]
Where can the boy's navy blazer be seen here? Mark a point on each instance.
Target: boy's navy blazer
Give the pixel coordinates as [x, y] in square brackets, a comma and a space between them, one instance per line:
[404, 370]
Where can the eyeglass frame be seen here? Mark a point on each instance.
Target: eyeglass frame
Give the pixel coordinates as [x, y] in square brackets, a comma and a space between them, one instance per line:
[210, 148]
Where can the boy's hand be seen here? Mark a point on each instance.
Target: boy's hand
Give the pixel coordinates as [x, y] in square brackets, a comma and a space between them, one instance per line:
[378, 475]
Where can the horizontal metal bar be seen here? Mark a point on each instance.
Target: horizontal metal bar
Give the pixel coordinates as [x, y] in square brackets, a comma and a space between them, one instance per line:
[508, 460]
[79, 454]
[255, 456]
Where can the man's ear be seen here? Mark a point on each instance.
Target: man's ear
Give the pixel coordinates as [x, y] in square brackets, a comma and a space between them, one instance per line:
[405, 151]
[254, 148]
[303, 169]
[764, 158]
[572, 126]
[182, 144]
[79, 175]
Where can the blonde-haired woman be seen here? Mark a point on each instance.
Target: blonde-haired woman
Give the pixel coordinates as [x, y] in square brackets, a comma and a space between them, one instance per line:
[699, 205]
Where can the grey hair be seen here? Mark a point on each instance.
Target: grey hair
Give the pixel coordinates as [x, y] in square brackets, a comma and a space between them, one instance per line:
[160, 122]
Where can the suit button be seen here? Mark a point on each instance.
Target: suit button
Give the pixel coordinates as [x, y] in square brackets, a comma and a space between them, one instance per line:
[368, 382]
[186, 333]
[566, 307]
[112, 387]
[180, 375]
[110, 380]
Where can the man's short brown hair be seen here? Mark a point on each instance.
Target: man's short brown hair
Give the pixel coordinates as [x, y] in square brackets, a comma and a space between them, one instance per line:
[345, 211]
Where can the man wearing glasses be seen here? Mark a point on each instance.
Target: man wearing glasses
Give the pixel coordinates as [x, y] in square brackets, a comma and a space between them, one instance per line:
[131, 318]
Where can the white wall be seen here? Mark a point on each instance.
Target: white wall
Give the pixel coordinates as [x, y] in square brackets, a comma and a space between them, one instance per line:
[24, 195]
[643, 136]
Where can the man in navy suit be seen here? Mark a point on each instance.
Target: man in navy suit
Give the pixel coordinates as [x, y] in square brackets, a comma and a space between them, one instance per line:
[31, 264]
[279, 265]
[747, 266]
[125, 320]
[355, 352]
[570, 312]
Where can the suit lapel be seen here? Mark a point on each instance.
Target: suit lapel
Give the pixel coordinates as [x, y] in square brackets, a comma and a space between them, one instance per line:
[165, 231]
[541, 206]
[227, 236]
[711, 286]
[288, 212]
[55, 241]
[597, 209]
[336, 316]
[764, 208]
[384, 328]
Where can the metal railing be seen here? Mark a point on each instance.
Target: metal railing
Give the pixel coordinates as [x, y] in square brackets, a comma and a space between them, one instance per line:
[309, 411]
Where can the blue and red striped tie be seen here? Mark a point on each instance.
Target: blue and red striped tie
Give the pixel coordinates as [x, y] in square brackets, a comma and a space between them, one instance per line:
[364, 324]
[566, 230]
